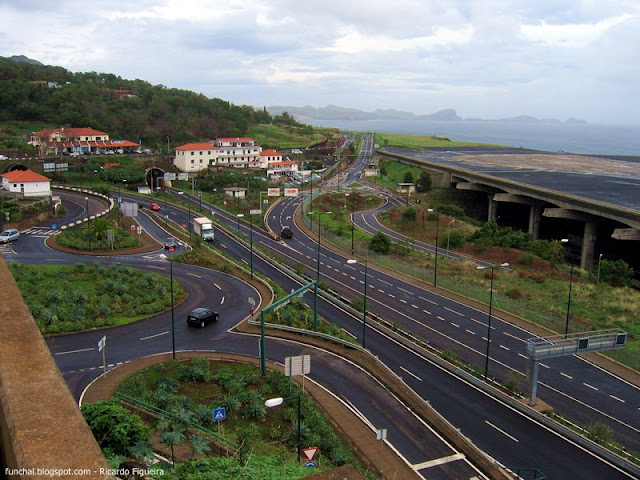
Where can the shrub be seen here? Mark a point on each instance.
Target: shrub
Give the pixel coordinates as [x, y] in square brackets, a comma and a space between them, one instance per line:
[526, 259]
[115, 428]
[409, 215]
[617, 273]
[514, 293]
[380, 243]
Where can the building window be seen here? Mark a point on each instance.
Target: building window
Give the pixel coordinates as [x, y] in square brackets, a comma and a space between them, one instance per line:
[193, 153]
[192, 161]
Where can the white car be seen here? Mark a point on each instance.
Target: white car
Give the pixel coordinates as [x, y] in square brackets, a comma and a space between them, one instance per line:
[3, 157]
[9, 235]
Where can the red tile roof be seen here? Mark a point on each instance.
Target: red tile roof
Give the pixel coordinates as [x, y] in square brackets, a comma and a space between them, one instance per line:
[197, 146]
[235, 139]
[270, 153]
[24, 176]
[283, 163]
[70, 132]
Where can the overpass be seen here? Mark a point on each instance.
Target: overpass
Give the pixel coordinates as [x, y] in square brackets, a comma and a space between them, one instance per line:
[542, 202]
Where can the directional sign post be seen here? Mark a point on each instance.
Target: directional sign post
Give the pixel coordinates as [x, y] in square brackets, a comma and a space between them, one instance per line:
[310, 453]
[219, 414]
[102, 343]
[381, 435]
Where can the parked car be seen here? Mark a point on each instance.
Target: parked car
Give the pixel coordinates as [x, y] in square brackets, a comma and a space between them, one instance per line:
[9, 235]
[286, 232]
[199, 317]
[170, 242]
[154, 206]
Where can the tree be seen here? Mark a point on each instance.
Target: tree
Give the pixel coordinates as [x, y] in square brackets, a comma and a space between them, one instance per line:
[424, 182]
[408, 177]
[409, 215]
[380, 243]
[115, 428]
[616, 272]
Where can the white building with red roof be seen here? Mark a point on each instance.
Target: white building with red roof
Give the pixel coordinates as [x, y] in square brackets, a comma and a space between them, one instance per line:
[237, 152]
[194, 157]
[285, 168]
[82, 140]
[26, 183]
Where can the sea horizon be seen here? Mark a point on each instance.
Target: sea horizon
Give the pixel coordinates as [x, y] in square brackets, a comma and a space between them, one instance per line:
[580, 138]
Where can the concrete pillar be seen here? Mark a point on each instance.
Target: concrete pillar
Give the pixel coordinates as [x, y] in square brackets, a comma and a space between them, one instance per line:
[534, 221]
[492, 214]
[588, 246]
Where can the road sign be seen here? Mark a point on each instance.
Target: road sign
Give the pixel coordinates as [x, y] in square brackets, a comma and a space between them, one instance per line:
[252, 301]
[169, 176]
[54, 226]
[273, 192]
[310, 464]
[310, 453]
[300, 365]
[290, 192]
[102, 342]
[381, 434]
[255, 211]
[132, 228]
[219, 414]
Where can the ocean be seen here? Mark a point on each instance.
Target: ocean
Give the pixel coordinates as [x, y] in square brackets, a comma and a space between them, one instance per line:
[550, 137]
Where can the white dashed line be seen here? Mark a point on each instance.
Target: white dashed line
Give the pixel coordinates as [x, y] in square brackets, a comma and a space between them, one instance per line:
[505, 348]
[566, 376]
[75, 351]
[469, 331]
[453, 311]
[590, 386]
[501, 431]
[455, 325]
[544, 366]
[618, 399]
[410, 373]
[154, 336]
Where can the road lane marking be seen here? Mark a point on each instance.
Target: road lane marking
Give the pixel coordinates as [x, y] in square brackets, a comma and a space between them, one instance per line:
[403, 300]
[410, 373]
[427, 300]
[455, 324]
[590, 386]
[427, 312]
[440, 318]
[386, 283]
[505, 348]
[469, 331]
[567, 376]
[453, 311]
[193, 275]
[523, 356]
[501, 431]
[618, 399]
[217, 286]
[222, 301]
[414, 305]
[438, 461]
[405, 291]
[543, 365]
[154, 336]
[75, 351]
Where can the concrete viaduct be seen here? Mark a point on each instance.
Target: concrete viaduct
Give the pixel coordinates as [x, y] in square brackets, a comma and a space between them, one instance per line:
[542, 202]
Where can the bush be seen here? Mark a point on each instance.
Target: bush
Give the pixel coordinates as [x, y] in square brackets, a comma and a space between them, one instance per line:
[616, 272]
[409, 215]
[115, 428]
[380, 243]
[526, 259]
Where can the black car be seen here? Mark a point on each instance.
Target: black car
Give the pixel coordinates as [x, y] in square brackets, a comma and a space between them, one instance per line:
[199, 317]
[286, 232]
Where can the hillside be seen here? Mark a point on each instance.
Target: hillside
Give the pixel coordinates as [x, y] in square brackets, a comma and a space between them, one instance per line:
[41, 96]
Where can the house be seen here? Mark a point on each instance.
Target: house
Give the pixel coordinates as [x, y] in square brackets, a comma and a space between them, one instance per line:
[26, 183]
[286, 168]
[194, 157]
[238, 152]
[84, 140]
[269, 156]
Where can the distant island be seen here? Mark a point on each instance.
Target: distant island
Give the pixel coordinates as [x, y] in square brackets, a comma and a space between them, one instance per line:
[334, 112]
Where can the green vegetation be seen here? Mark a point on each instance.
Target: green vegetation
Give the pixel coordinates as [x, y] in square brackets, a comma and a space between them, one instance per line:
[117, 430]
[81, 297]
[423, 142]
[94, 236]
[150, 113]
[534, 287]
[287, 136]
[186, 393]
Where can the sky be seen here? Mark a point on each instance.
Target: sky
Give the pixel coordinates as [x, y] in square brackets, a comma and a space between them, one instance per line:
[485, 59]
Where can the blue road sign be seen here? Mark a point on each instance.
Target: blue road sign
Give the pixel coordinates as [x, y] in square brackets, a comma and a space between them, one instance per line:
[310, 464]
[54, 226]
[219, 414]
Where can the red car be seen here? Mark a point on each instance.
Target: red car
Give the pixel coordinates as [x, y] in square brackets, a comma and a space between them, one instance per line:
[155, 207]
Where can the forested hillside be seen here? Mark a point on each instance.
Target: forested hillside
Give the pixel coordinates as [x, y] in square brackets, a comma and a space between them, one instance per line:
[149, 114]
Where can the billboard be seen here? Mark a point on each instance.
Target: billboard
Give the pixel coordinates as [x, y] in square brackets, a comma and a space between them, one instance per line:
[273, 192]
[290, 192]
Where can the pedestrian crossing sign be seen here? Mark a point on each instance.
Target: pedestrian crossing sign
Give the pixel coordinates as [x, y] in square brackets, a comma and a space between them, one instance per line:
[219, 414]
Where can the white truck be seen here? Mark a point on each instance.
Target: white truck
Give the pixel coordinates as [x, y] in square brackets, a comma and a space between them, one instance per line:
[203, 227]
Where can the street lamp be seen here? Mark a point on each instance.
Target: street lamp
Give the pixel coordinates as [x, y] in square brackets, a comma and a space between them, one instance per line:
[274, 402]
[599, 261]
[189, 205]
[173, 330]
[353, 220]
[364, 306]
[566, 323]
[318, 259]
[95, 171]
[435, 261]
[449, 233]
[492, 268]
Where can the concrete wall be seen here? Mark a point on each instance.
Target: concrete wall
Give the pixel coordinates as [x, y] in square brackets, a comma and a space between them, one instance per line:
[41, 426]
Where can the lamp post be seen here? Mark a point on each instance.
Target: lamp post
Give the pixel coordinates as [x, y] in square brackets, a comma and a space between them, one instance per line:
[274, 402]
[364, 305]
[492, 268]
[88, 224]
[168, 145]
[173, 330]
[566, 322]
[238, 206]
[318, 256]
[189, 205]
[353, 220]
[95, 171]
[435, 261]
[599, 261]
[449, 233]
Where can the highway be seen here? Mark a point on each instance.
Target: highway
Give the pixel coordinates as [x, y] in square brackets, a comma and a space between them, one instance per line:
[502, 432]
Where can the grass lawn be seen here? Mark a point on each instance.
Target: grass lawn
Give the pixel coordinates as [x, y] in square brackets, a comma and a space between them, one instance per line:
[424, 142]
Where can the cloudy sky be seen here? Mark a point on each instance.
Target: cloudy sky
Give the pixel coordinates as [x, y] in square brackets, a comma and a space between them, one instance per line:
[484, 58]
